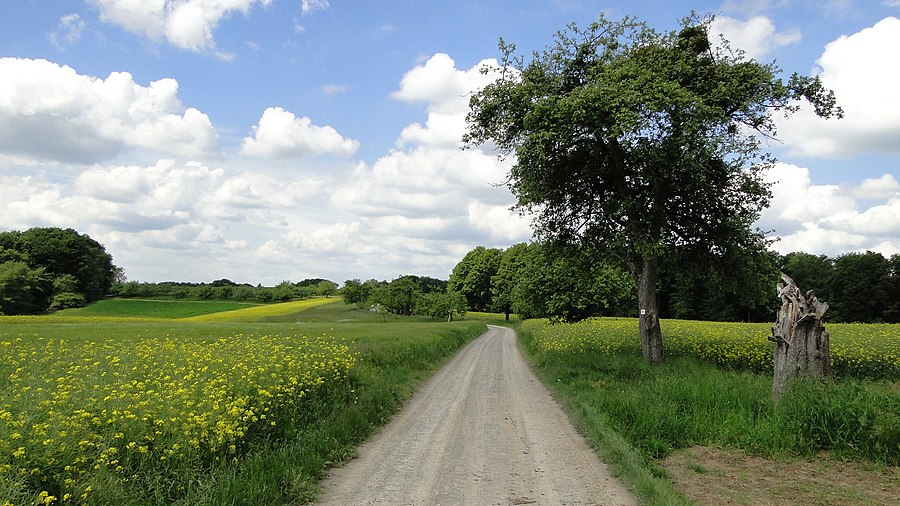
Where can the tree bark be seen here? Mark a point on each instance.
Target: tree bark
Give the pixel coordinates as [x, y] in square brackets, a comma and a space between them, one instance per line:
[801, 342]
[650, 332]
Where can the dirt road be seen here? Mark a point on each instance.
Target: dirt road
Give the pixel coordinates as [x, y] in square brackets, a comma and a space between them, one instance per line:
[483, 431]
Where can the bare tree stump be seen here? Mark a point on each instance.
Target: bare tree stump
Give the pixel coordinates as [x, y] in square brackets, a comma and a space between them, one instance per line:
[801, 342]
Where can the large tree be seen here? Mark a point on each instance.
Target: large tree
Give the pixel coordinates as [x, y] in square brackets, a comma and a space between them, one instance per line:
[472, 277]
[638, 142]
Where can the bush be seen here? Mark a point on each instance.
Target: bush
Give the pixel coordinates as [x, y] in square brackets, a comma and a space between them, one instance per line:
[66, 300]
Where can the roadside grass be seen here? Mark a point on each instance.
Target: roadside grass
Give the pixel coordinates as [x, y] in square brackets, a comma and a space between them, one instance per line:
[153, 308]
[635, 414]
[268, 464]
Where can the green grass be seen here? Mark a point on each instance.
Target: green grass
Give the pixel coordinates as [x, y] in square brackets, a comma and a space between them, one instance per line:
[154, 308]
[269, 464]
[634, 413]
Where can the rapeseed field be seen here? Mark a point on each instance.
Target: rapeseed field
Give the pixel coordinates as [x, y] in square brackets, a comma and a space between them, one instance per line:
[865, 351]
[77, 414]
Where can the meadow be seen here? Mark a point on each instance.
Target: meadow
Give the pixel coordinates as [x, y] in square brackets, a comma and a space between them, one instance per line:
[128, 404]
[715, 391]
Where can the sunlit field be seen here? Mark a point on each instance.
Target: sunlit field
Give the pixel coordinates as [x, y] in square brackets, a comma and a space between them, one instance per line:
[858, 350]
[137, 410]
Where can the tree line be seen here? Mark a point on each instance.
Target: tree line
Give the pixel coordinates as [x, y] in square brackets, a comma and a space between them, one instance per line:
[406, 296]
[566, 283]
[225, 289]
[43, 269]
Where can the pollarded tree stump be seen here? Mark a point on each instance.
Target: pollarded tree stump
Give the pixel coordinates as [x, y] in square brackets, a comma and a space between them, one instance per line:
[801, 342]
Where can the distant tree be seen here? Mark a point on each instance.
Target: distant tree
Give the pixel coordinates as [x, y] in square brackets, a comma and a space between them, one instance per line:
[285, 291]
[352, 292]
[569, 284]
[472, 277]
[508, 273]
[223, 282]
[441, 305]
[205, 292]
[23, 290]
[66, 300]
[310, 282]
[633, 142]
[64, 251]
[399, 296]
[861, 287]
[244, 293]
[735, 285]
[326, 288]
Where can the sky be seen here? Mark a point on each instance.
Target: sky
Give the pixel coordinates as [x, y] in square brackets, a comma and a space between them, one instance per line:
[272, 140]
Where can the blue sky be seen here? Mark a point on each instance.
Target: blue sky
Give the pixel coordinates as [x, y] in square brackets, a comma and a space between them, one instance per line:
[270, 140]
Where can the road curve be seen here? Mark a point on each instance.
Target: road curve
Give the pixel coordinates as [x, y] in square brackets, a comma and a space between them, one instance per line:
[482, 431]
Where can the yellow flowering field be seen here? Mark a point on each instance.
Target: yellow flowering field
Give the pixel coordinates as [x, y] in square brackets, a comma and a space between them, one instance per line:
[255, 313]
[857, 349]
[80, 413]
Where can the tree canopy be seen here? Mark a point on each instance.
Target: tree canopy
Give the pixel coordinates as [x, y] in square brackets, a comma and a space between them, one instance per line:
[637, 142]
[44, 267]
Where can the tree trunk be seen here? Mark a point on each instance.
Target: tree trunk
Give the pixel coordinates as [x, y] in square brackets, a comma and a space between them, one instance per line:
[801, 342]
[651, 335]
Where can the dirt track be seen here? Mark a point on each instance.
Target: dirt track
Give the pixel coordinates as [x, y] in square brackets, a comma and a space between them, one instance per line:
[482, 431]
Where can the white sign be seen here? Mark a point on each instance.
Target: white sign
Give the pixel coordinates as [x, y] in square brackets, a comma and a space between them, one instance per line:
[643, 312]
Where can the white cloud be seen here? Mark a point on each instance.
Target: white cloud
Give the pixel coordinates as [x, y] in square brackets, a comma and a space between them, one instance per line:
[50, 112]
[67, 32]
[334, 89]
[756, 36]
[499, 221]
[310, 6]
[280, 134]
[882, 187]
[188, 24]
[442, 86]
[863, 71]
[826, 219]
[446, 91]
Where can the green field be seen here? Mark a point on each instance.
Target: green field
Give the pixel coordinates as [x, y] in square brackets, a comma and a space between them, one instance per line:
[130, 405]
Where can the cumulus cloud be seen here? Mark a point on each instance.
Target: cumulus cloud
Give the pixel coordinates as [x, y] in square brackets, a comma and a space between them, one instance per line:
[280, 134]
[826, 219]
[446, 91]
[188, 24]
[756, 36]
[863, 71]
[50, 112]
[207, 222]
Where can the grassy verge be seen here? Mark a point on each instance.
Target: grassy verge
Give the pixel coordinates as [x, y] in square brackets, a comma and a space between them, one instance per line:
[635, 414]
[131, 378]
